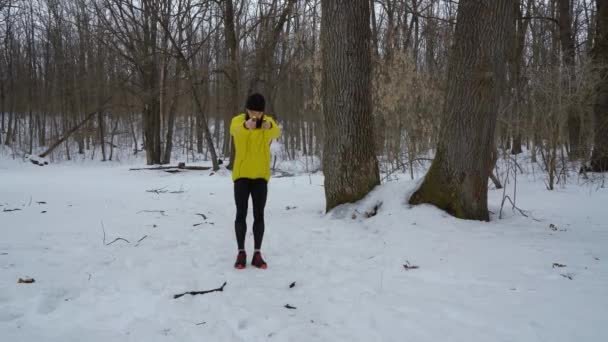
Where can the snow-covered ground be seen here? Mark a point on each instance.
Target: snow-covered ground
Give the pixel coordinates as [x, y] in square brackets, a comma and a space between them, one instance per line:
[476, 281]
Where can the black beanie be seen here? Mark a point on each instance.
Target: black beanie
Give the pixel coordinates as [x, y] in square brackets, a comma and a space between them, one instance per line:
[256, 102]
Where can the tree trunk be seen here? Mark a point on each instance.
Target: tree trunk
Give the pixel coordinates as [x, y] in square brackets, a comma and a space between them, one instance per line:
[568, 57]
[102, 134]
[375, 44]
[599, 157]
[232, 46]
[457, 181]
[349, 159]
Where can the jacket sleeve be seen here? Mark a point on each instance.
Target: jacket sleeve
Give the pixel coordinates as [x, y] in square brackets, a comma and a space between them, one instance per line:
[237, 128]
[275, 130]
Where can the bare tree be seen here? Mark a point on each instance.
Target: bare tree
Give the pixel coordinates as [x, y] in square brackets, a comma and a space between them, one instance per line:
[458, 178]
[349, 160]
[599, 158]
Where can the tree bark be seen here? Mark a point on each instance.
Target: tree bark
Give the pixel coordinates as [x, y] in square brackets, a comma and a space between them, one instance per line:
[599, 157]
[457, 181]
[568, 57]
[349, 160]
[233, 72]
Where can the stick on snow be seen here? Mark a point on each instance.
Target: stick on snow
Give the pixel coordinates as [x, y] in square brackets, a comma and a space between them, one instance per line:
[117, 239]
[408, 267]
[194, 293]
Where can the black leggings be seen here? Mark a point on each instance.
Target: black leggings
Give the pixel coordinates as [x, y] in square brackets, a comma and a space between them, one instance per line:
[258, 188]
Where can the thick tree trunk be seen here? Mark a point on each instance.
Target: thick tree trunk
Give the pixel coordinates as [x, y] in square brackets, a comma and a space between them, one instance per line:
[457, 181]
[170, 129]
[517, 73]
[568, 57]
[349, 159]
[152, 130]
[599, 157]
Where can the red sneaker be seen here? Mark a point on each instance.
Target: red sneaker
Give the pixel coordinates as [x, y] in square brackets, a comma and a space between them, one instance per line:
[241, 260]
[258, 261]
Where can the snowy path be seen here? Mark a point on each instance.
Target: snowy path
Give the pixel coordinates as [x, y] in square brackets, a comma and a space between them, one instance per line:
[476, 282]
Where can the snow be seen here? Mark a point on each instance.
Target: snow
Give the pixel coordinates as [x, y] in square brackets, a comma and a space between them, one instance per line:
[476, 282]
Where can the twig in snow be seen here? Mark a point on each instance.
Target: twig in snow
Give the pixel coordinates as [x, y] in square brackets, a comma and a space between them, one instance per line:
[162, 212]
[158, 191]
[26, 281]
[555, 228]
[506, 197]
[201, 323]
[374, 210]
[30, 204]
[194, 293]
[9, 210]
[558, 265]
[140, 240]
[41, 202]
[568, 275]
[104, 232]
[202, 215]
[292, 285]
[290, 307]
[180, 191]
[117, 239]
[408, 267]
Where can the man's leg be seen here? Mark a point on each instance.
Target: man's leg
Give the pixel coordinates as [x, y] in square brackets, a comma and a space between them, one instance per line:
[241, 198]
[259, 192]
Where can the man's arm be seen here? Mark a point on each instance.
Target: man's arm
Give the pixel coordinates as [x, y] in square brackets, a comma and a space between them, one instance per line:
[237, 126]
[274, 132]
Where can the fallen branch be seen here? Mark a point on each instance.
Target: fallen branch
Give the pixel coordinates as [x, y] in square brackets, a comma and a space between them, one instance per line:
[506, 197]
[73, 129]
[192, 168]
[158, 191]
[194, 293]
[118, 239]
[408, 267]
[281, 174]
[104, 233]
[9, 210]
[140, 240]
[162, 212]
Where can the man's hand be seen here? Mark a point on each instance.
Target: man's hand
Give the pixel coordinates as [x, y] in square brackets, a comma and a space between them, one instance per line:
[250, 124]
[266, 125]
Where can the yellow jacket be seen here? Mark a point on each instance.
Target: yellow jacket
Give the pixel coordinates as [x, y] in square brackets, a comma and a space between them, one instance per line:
[252, 148]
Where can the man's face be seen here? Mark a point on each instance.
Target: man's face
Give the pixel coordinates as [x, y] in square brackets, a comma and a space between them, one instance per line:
[254, 114]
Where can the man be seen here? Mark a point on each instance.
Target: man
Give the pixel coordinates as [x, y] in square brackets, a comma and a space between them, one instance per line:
[252, 134]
